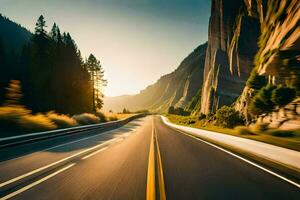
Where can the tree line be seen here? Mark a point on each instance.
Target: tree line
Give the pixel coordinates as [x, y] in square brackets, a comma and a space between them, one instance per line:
[53, 74]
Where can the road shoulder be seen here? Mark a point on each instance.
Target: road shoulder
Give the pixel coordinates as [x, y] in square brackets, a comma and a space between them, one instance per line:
[289, 170]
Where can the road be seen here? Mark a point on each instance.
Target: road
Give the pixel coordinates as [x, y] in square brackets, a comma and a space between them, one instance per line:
[144, 159]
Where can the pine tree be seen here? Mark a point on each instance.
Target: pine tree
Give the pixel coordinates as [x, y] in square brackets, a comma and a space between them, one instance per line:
[40, 27]
[55, 34]
[97, 77]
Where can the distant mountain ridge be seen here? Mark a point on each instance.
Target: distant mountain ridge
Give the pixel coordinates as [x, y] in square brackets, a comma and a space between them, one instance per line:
[12, 35]
[175, 89]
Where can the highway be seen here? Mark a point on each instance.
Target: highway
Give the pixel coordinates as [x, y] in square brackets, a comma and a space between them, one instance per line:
[145, 159]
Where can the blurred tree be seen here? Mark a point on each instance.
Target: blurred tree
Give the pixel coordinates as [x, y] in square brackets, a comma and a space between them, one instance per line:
[14, 93]
[256, 81]
[227, 117]
[281, 96]
[261, 102]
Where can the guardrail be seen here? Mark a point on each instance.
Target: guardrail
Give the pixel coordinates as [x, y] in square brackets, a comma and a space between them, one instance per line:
[32, 137]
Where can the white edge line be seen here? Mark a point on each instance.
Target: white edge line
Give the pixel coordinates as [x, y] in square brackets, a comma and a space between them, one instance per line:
[27, 187]
[52, 164]
[72, 142]
[239, 157]
[94, 153]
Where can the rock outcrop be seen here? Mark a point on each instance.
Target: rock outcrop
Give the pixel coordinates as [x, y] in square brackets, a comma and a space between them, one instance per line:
[278, 56]
[234, 29]
[175, 89]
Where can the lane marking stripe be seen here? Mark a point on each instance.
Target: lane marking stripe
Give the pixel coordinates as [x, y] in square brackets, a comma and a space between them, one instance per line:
[55, 163]
[150, 193]
[241, 158]
[72, 142]
[161, 182]
[36, 183]
[94, 153]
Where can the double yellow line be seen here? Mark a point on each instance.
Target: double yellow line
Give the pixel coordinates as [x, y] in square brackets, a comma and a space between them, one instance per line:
[155, 188]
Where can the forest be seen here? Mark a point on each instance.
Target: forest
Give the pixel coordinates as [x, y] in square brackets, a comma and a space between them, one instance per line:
[52, 73]
[44, 80]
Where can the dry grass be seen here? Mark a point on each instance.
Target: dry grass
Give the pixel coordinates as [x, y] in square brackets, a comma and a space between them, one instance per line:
[62, 121]
[18, 119]
[116, 116]
[38, 122]
[15, 119]
[9, 118]
[86, 118]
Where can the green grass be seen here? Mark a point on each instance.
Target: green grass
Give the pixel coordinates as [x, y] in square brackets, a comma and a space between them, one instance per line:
[286, 139]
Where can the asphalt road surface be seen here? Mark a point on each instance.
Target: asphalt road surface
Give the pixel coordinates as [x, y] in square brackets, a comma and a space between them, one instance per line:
[144, 159]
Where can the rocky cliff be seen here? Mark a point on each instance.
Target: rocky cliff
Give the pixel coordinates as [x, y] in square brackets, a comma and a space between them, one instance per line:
[278, 56]
[175, 89]
[234, 29]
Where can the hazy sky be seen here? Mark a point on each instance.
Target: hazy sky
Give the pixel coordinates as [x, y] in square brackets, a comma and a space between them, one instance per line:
[136, 41]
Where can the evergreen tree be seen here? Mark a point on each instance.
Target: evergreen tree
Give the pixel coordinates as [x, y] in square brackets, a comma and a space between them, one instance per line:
[52, 71]
[256, 81]
[283, 95]
[55, 34]
[262, 102]
[97, 77]
[40, 27]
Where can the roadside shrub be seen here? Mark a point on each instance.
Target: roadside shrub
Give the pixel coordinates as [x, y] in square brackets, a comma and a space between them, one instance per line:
[261, 102]
[62, 121]
[229, 118]
[282, 133]
[9, 117]
[202, 116]
[34, 123]
[191, 121]
[283, 95]
[86, 118]
[260, 127]
[113, 118]
[256, 81]
[178, 111]
[243, 130]
[102, 116]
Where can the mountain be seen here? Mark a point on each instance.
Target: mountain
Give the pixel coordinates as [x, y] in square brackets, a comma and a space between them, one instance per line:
[234, 30]
[12, 35]
[278, 56]
[259, 36]
[245, 37]
[179, 88]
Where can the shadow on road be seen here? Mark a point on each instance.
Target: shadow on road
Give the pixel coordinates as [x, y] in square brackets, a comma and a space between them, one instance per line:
[56, 145]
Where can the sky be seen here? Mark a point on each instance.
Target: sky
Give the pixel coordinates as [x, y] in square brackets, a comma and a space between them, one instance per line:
[137, 41]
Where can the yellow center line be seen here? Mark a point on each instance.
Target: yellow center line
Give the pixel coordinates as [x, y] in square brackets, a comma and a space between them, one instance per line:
[161, 182]
[155, 163]
[23, 189]
[151, 171]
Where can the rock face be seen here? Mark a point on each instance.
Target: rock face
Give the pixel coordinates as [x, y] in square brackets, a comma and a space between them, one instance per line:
[175, 89]
[278, 56]
[234, 29]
